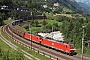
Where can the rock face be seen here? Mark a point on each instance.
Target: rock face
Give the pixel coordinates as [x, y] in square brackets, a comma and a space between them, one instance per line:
[55, 35]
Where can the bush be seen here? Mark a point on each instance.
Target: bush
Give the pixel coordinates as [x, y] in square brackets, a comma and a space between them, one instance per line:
[26, 27]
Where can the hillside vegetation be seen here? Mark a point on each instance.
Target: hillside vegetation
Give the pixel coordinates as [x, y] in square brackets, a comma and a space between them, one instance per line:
[70, 27]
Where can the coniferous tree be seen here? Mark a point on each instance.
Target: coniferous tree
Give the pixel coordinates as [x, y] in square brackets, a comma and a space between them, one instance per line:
[88, 31]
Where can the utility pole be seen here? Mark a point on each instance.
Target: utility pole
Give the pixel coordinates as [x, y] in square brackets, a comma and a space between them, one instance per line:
[30, 35]
[82, 41]
[52, 31]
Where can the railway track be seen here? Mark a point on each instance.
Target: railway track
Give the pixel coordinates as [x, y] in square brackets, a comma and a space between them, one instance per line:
[7, 42]
[50, 52]
[15, 48]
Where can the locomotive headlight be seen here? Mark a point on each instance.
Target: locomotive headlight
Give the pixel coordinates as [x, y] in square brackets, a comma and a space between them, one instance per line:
[72, 49]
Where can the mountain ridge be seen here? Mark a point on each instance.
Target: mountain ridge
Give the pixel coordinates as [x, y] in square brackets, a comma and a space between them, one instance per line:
[72, 4]
[87, 2]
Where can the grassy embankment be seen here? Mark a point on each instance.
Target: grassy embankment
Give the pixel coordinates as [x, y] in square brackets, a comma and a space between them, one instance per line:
[3, 45]
[48, 21]
[6, 52]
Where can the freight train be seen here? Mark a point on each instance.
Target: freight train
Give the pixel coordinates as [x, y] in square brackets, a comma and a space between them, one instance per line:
[58, 45]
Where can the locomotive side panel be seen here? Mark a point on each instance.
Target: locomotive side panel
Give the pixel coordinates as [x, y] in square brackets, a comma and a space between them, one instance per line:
[47, 42]
[59, 46]
[36, 38]
[62, 46]
[27, 36]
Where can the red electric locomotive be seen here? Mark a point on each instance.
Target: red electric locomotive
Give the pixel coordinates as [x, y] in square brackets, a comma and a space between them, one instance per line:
[34, 38]
[59, 45]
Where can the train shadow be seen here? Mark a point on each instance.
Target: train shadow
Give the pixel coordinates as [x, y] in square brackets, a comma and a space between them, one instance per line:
[70, 54]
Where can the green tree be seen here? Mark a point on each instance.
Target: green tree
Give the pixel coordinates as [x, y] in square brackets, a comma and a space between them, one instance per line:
[34, 6]
[44, 22]
[88, 31]
[36, 23]
[26, 26]
[29, 4]
[55, 24]
[5, 2]
[2, 15]
[48, 26]
[14, 15]
[17, 55]
[31, 22]
[1, 52]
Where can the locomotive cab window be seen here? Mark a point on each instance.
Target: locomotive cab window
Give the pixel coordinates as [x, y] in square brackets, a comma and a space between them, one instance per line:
[71, 46]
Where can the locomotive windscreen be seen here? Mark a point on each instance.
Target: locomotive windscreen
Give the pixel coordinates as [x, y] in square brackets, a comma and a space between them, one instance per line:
[71, 46]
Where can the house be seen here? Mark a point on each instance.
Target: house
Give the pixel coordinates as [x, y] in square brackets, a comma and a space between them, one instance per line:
[56, 5]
